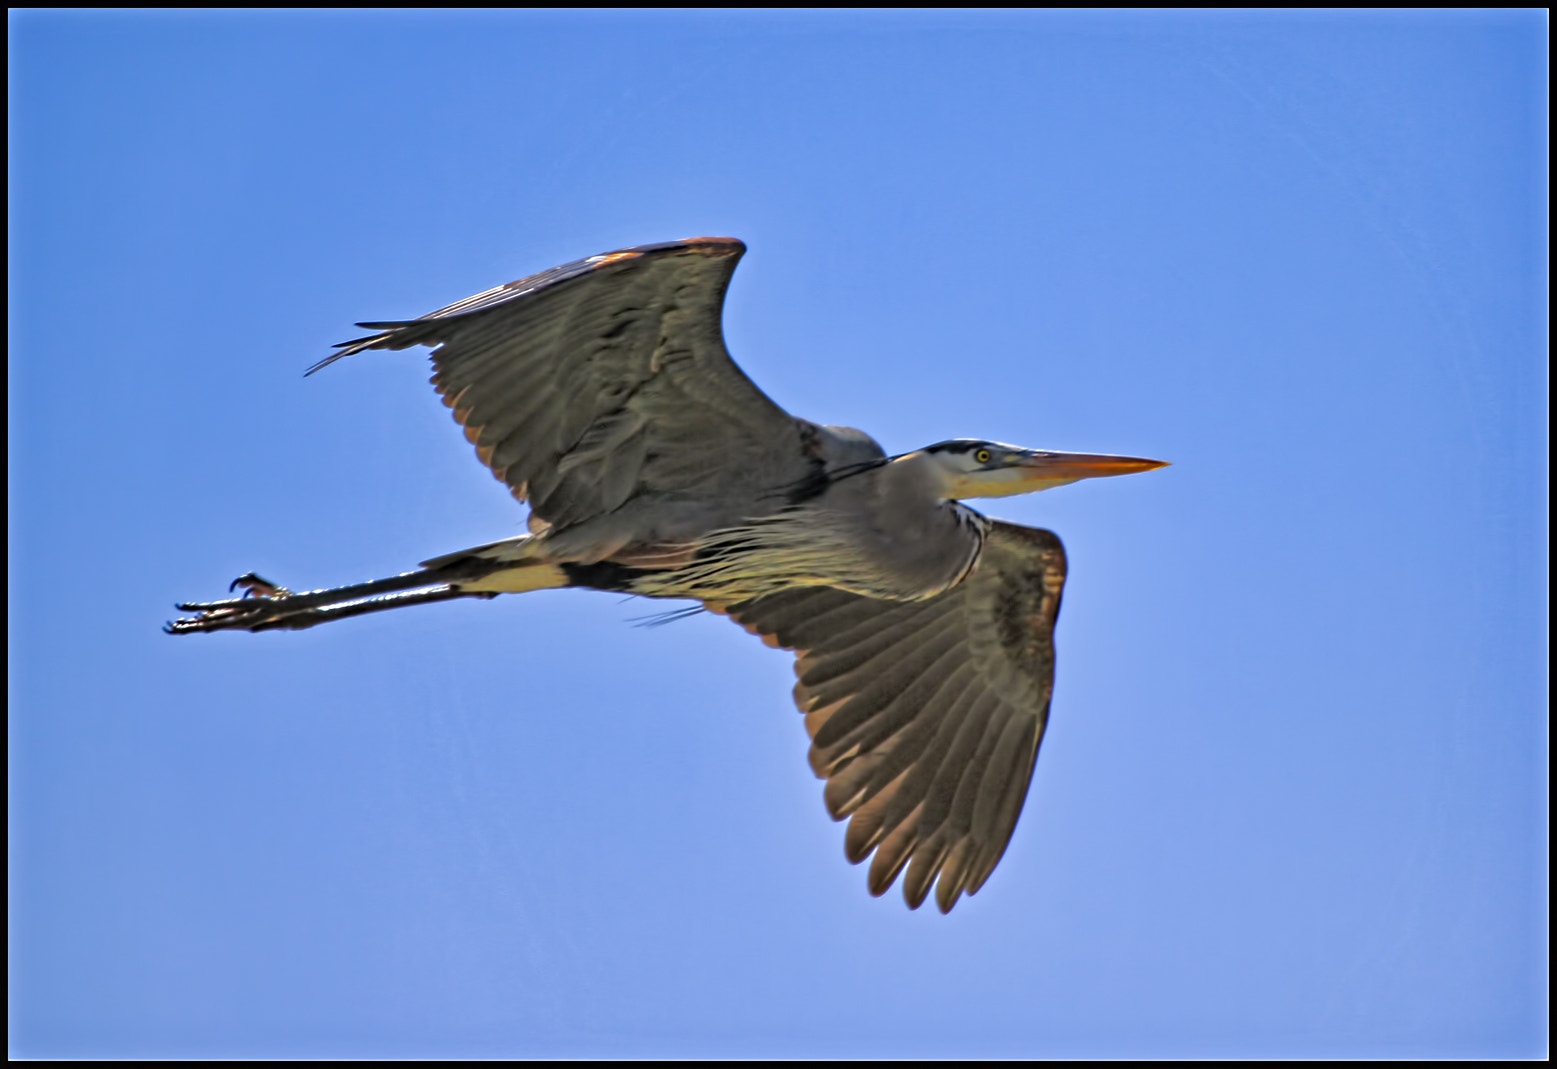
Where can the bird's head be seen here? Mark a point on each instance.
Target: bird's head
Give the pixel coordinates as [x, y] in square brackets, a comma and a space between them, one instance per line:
[969, 467]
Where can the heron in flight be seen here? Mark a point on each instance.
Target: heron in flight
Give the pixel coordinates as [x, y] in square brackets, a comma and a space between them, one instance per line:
[601, 393]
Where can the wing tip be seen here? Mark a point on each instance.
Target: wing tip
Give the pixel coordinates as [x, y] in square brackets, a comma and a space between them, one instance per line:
[716, 247]
[327, 361]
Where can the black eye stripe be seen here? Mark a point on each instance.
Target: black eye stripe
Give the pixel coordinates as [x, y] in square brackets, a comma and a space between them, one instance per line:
[956, 445]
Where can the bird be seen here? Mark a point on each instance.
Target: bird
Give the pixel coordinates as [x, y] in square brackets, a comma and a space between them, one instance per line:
[601, 393]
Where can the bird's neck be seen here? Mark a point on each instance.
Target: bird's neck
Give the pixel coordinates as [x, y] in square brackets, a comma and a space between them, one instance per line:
[914, 481]
[917, 529]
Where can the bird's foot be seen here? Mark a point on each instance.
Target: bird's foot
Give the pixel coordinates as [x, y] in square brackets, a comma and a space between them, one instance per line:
[262, 602]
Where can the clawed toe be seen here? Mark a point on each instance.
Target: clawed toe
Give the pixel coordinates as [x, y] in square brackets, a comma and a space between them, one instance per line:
[208, 606]
[258, 586]
[218, 618]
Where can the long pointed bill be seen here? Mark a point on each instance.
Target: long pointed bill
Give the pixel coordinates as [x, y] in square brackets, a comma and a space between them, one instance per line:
[1031, 470]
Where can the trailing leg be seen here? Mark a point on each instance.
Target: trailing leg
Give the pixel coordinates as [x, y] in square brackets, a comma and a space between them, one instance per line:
[266, 606]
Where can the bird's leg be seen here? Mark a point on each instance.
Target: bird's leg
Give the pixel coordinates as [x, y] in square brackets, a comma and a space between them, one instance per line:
[265, 606]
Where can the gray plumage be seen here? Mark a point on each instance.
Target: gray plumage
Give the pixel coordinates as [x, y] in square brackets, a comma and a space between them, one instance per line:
[925, 716]
[601, 393]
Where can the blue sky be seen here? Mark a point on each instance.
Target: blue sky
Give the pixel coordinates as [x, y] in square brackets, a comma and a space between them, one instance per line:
[1293, 796]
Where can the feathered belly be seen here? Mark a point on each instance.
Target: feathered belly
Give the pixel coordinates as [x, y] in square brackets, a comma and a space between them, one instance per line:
[811, 547]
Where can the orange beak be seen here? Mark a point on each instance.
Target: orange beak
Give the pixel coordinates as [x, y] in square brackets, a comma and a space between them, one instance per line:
[1031, 470]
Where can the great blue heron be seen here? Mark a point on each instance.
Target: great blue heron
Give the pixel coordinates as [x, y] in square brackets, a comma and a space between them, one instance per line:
[602, 394]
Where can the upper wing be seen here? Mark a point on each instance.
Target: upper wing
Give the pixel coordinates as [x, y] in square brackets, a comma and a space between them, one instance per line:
[607, 380]
[925, 717]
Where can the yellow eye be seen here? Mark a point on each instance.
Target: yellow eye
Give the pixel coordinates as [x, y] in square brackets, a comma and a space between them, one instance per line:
[982, 456]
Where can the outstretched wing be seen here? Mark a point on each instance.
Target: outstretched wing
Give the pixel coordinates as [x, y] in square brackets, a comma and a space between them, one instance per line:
[605, 383]
[925, 717]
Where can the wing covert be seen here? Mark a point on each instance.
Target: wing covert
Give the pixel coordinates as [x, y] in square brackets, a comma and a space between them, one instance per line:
[603, 387]
[925, 717]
